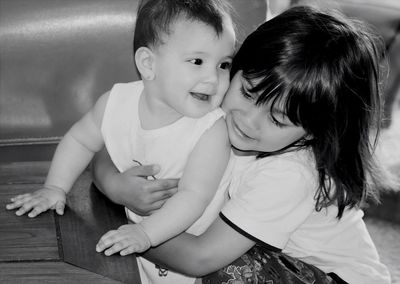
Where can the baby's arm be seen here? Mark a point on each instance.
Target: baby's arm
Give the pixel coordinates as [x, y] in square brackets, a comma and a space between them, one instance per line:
[197, 187]
[72, 156]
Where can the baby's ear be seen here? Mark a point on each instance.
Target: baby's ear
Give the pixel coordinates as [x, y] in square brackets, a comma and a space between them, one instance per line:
[144, 59]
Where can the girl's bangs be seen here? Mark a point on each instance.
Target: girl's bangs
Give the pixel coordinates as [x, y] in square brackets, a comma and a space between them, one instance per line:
[275, 93]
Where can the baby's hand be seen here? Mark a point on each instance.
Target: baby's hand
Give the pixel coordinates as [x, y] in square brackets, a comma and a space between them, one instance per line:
[38, 202]
[126, 240]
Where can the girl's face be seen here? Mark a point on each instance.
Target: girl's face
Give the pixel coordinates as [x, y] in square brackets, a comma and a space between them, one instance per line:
[252, 128]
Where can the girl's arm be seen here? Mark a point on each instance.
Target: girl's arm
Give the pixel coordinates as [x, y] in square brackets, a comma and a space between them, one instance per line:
[132, 188]
[72, 156]
[272, 200]
[200, 255]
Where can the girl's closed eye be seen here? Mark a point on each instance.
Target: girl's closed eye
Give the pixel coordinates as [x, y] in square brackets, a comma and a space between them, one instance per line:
[279, 118]
[246, 93]
[281, 122]
[276, 122]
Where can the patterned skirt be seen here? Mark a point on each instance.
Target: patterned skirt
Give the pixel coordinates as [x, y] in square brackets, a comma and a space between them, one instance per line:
[259, 265]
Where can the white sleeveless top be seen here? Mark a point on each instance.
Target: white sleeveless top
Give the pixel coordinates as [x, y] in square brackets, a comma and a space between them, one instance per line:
[170, 146]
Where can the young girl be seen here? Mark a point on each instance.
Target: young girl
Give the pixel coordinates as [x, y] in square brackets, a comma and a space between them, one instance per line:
[183, 51]
[301, 109]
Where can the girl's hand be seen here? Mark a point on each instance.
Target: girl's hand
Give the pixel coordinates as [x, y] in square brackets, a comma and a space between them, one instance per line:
[126, 240]
[141, 195]
[39, 201]
[132, 188]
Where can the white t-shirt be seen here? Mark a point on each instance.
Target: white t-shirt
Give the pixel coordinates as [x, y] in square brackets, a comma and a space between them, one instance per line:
[272, 200]
[168, 146]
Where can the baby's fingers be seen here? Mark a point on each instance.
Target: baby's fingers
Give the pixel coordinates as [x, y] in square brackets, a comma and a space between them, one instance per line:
[107, 240]
[115, 248]
[128, 250]
[23, 209]
[38, 208]
[18, 201]
[60, 206]
[27, 204]
[19, 197]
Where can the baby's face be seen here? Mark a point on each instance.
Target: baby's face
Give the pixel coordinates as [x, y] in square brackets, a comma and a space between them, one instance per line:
[192, 67]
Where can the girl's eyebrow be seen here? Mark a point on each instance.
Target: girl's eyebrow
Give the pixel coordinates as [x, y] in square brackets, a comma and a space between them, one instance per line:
[279, 112]
[247, 83]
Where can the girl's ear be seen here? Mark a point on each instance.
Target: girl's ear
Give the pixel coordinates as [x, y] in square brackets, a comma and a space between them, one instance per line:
[308, 137]
[144, 59]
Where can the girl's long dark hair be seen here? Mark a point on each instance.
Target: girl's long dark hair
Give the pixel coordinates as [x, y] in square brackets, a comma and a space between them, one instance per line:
[325, 69]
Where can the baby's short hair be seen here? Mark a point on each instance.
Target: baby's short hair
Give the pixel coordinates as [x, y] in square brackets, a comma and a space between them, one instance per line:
[154, 17]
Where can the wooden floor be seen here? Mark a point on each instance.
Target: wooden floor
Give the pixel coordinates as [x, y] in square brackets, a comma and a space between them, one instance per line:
[58, 249]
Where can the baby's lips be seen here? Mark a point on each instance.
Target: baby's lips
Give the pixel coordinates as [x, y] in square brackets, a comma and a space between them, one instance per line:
[200, 96]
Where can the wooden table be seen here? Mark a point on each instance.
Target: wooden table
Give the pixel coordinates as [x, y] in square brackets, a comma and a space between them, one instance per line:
[58, 249]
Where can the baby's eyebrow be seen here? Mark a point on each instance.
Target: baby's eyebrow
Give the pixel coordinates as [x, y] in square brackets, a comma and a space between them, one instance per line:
[196, 53]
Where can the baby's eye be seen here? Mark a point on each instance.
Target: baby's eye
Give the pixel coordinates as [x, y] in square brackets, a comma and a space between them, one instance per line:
[225, 65]
[196, 61]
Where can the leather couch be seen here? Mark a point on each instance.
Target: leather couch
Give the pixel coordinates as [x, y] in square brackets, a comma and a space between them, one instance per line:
[57, 57]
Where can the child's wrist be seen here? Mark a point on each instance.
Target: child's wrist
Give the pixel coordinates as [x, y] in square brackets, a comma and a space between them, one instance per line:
[145, 235]
[56, 188]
